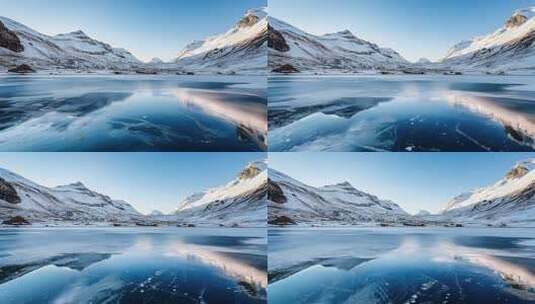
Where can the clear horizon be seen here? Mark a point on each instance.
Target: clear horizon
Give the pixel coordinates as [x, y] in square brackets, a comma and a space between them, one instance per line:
[415, 29]
[148, 181]
[146, 28]
[421, 181]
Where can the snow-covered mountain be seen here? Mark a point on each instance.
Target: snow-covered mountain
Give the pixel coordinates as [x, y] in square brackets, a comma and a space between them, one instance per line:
[423, 213]
[511, 47]
[156, 61]
[75, 202]
[156, 213]
[243, 48]
[20, 44]
[293, 202]
[291, 47]
[510, 201]
[243, 201]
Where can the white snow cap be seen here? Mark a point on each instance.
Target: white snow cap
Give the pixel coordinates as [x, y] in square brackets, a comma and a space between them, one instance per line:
[526, 12]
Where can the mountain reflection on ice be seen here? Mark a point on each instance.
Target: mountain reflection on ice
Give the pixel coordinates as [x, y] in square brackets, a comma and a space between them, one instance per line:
[401, 113]
[403, 266]
[133, 266]
[127, 113]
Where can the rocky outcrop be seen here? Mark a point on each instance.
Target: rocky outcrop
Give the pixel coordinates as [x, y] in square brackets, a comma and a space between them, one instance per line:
[248, 21]
[16, 220]
[9, 39]
[276, 40]
[285, 69]
[22, 69]
[8, 192]
[281, 221]
[275, 193]
[516, 21]
[517, 172]
[249, 172]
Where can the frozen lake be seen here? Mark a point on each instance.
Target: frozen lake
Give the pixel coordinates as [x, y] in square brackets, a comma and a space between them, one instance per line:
[401, 113]
[402, 265]
[132, 113]
[132, 265]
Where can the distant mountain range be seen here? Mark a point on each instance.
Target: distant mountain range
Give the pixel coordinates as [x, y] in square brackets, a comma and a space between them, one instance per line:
[258, 193]
[242, 49]
[257, 44]
[510, 201]
[75, 202]
[241, 202]
[292, 202]
[509, 49]
[293, 48]
[20, 44]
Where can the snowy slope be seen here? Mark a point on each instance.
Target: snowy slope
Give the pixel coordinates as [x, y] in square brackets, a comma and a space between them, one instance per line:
[336, 51]
[241, 201]
[511, 200]
[242, 48]
[511, 47]
[341, 203]
[74, 202]
[71, 50]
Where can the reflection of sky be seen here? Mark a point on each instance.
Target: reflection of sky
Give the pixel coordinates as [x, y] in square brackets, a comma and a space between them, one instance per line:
[415, 181]
[147, 180]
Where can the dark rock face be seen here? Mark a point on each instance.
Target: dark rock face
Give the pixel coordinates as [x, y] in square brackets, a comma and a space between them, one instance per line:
[286, 69]
[248, 21]
[16, 220]
[517, 172]
[524, 43]
[9, 40]
[275, 193]
[22, 69]
[276, 41]
[515, 21]
[8, 192]
[282, 221]
[249, 172]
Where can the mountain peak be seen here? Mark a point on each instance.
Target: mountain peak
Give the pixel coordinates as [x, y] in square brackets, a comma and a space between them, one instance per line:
[253, 169]
[76, 185]
[347, 34]
[260, 12]
[520, 17]
[345, 186]
[252, 17]
[79, 34]
[520, 169]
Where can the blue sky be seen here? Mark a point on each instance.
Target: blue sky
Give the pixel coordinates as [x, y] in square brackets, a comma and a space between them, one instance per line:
[147, 28]
[148, 181]
[415, 28]
[415, 181]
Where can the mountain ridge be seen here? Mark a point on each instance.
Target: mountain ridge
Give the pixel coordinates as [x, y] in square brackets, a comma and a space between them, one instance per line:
[74, 202]
[242, 201]
[293, 202]
[510, 200]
